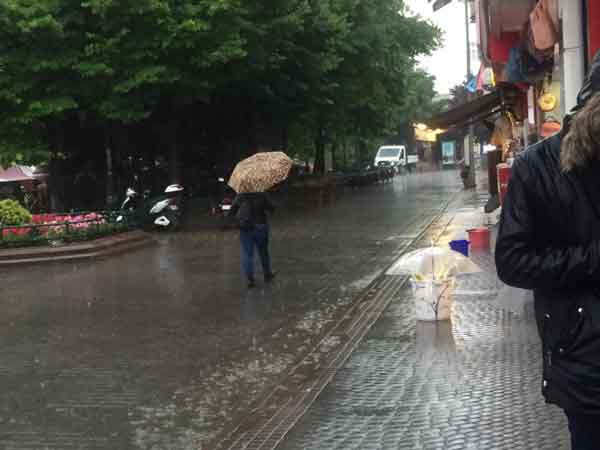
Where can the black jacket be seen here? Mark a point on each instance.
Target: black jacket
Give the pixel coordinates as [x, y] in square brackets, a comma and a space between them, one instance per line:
[549, 241]
[260, 205]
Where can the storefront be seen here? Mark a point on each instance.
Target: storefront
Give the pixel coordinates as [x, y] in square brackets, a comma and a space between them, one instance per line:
[519, 41]
[448, 153]
[534, 56]
[593, 27]
[541, 48]
[502, 102]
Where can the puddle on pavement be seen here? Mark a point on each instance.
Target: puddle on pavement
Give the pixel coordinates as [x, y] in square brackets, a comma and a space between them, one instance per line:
[362, 283]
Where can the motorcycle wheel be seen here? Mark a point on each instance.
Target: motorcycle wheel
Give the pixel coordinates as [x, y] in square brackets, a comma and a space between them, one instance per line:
[174, 224]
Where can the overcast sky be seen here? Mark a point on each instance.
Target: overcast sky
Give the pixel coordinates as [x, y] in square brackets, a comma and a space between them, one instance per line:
[449, 64]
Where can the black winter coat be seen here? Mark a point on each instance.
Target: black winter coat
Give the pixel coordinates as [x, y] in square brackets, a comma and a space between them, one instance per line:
[549, 241]
[260, 205]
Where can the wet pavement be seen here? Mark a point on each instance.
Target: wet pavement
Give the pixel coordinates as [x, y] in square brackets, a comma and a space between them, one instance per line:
[472, 383]
[165, 348]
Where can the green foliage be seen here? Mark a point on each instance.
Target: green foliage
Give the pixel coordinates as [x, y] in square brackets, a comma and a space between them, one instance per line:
[15, 241]
[374, 87]
[13, 214]
[94, 232]
[459, 95]
[344, 66]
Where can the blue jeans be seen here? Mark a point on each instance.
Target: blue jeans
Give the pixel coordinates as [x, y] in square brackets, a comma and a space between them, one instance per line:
[585, 432]
[259, 238]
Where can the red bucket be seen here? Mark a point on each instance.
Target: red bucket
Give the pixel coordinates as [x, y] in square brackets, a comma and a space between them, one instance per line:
[480, 238]
[504, 173]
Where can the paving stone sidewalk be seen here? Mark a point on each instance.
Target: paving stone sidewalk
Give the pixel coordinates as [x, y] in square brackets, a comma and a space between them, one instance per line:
[473, 383]
[165, 348]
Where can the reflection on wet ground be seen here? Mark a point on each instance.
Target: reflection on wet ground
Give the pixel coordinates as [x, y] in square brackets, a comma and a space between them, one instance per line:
[472, 383]
[165, 348]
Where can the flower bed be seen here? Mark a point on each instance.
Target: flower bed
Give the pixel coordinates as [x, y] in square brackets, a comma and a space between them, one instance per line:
[60, 228]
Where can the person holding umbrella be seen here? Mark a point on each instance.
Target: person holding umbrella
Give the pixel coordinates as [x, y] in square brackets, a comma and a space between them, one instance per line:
[251, 179]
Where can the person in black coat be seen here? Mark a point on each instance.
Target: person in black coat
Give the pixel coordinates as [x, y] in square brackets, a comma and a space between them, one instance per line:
[252, 212]
[549, 241]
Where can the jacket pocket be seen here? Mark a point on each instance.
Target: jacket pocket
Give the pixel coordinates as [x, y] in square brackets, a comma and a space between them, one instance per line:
[572, 331]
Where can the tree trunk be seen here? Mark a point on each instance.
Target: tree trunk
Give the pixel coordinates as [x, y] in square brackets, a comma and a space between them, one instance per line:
[118, 164]
[285, 142]
[334, 151]
[54, 181]
[174, 172]
[319, 167]
[253, 139]
[362, 152]
[110, 180]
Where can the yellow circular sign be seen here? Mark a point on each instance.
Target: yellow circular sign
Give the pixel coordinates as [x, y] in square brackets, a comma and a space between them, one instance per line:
[547, 102]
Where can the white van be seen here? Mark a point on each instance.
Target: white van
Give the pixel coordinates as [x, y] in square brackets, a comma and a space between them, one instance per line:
[396, 156]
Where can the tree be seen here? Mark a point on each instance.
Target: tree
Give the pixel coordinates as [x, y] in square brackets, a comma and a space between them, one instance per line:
[113, 60]
[86, 79]
[375, 86]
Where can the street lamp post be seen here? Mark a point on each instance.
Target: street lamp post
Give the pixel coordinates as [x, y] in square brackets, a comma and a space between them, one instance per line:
[469, 153]
[471, 182]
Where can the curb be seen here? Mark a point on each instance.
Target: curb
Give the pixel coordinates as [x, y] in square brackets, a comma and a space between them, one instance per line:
[99, 248]
[267, 425]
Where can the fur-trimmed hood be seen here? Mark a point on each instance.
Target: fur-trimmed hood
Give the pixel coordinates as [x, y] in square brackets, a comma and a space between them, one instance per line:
[591, 85]
[573, 155]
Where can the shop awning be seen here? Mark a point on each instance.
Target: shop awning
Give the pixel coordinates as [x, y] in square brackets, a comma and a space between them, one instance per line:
[16, 174]
[469, 113]
[499, 25]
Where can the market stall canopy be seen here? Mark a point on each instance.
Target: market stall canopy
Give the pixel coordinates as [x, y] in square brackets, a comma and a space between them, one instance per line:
[16, 174]
[471, 112]
[504, 97]
[499, 23]
[508, 15]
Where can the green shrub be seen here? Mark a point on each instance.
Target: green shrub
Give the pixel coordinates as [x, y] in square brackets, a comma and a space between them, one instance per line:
[48, 233]
[14, 241]
[13, 214]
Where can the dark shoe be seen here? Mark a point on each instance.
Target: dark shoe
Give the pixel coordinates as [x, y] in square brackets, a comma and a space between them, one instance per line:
[251, 283]
[492, 204]
[269, 277]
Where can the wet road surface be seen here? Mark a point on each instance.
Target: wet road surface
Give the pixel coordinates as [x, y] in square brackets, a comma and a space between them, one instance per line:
[165, 348]
[470, 384]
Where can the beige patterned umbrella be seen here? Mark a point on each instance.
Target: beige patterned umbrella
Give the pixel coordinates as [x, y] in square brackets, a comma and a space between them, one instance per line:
[260, 172]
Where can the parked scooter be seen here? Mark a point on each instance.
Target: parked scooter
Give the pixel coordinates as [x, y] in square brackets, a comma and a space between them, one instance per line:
[163, 212]
[225, 198]
[132, 201]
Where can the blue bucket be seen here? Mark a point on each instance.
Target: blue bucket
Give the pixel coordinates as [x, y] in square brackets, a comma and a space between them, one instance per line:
[461, 246]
